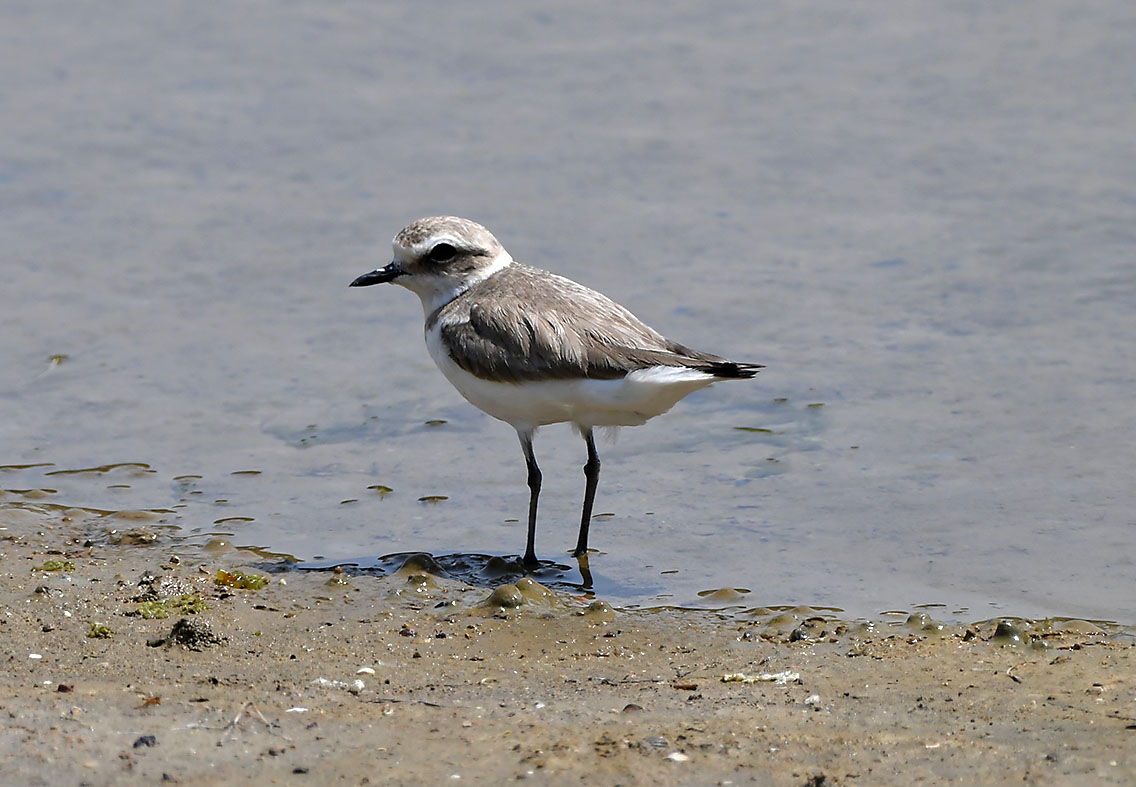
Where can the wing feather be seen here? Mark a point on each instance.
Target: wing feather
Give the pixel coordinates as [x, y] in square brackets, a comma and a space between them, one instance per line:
[578, 333]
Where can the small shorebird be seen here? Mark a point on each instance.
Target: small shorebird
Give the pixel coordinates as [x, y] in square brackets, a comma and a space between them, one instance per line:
[532, 348]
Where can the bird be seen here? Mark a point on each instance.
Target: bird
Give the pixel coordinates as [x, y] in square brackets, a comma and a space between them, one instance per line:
[532, 348]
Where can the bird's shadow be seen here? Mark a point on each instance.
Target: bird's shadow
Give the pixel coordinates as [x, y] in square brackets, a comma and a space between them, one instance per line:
[474, 569]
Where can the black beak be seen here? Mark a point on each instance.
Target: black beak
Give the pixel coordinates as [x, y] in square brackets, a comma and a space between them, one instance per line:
[379, 275]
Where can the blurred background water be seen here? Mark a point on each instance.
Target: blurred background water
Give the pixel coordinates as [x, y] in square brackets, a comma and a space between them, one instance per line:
[920, 217]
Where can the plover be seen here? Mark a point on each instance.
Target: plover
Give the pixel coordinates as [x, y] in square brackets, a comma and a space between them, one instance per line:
[531, 348]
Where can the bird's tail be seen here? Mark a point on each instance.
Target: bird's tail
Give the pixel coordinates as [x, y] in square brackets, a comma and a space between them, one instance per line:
[729, 370]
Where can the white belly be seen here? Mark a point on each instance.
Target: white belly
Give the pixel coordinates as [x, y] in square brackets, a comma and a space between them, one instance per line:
[628, 401]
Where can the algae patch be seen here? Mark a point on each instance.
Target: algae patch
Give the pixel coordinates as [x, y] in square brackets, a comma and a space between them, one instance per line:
[164, 608]
[100, 631]
[56, 565]
[241, 580]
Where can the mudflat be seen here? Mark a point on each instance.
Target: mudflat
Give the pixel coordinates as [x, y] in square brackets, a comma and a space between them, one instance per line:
[125, 663]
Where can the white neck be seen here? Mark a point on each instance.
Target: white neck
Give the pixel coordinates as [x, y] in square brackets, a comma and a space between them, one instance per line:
[437, 291]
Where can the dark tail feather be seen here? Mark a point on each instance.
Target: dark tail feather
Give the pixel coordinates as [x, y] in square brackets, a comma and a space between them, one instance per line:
[728, 370]
[713, 364]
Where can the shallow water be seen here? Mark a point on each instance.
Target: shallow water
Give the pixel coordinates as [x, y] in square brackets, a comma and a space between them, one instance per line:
[922, 220]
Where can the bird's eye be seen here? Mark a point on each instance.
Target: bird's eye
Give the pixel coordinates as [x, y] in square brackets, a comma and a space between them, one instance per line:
[441, 252]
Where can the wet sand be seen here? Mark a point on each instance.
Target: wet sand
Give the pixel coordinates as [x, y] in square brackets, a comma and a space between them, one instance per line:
[416, 679]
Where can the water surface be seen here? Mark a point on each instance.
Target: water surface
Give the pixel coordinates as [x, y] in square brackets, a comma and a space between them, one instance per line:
[921, 219]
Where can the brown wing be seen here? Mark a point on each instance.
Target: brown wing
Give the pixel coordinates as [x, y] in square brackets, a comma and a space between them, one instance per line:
[577, 333]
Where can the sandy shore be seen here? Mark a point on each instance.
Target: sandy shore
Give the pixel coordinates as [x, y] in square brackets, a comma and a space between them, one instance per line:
[321, 677]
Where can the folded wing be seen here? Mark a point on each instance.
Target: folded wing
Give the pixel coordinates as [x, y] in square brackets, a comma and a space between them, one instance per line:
[578, 333]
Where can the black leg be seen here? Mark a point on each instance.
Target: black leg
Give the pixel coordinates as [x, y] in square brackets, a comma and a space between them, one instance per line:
[591, 479]
[534, 494]
[585, 571]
